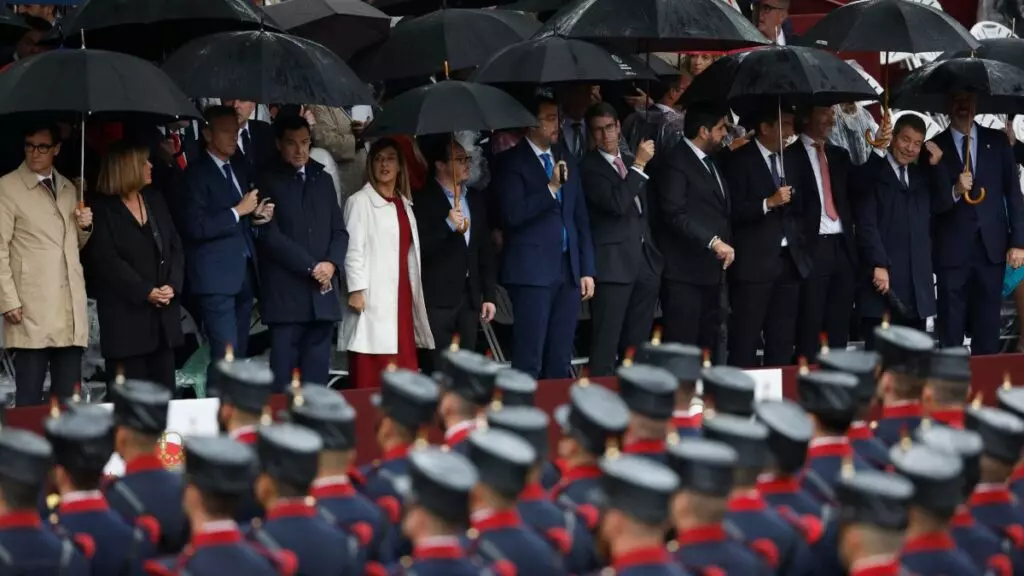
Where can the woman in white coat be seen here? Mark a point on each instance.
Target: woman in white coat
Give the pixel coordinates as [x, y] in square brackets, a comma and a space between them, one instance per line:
[387, 319]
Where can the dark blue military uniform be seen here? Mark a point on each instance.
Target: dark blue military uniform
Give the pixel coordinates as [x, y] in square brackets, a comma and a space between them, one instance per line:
[907, 352]
[472, 378]
[992, 504]
[649, 393]
[456, 436]
[898, 420]
[875, 500]
[147, 489]
[687, 425]
[441, 556]
[700, 549]
[866, 446]
[789, 431]
[863, 365]
[684, 362]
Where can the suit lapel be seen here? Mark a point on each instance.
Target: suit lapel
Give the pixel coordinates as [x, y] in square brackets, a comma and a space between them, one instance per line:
[698, 165]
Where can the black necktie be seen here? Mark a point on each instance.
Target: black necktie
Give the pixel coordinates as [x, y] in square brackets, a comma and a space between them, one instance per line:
[48, 183]
[246, 144]
[714, 173]
[775, 169]
[903, 177]
[230, 175]
[577, 139]
[301, 176]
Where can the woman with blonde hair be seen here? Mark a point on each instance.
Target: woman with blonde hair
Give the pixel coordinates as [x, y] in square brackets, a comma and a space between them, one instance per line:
[136, 268]
[387, 317]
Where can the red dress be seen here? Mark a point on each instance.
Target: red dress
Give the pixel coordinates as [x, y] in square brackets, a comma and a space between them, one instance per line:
[364, 369]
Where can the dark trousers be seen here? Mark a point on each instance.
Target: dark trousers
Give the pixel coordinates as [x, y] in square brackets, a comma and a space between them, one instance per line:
[226, 320]
[971, 296]
[156, 366]
[826, 298]
[768, 308]
[868, 325]
[302, 345]
[463, 320]
[545, 325]
[622, 315]
[691, 313]
[31, 365]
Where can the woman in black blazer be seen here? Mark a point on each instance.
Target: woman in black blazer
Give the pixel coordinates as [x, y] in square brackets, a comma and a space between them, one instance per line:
[137, 269]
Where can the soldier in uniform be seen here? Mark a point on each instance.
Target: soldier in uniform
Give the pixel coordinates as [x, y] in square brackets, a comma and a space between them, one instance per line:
[778, 539]
[147, 489]
[218, 474]
[727, 390]
[649, 393]
[864, 366]
[637, 493]
[437, 513]
[515, 388]
[1012, 400]
[830, 398]
[992, 504]
[789, 432]
[326, 412]
[497, 533]
[698, 511]
[872, 517]
[27, 548]
[83, 441]
[983, 547]
[946, 387]
[467, 387]
[929, 547]
[593, 421]
[562, 528]
[905, 353]
[288, 462]
[684, 362]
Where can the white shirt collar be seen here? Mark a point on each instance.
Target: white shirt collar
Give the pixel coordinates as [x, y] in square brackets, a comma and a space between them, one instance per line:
[895, 165]
[338, 480]
[765, 152]
[700, 153]
[536, 149]
[809, 142]
[218, 526]
[80, 495]
[237, 432]
[610, 158]
[220, 163]
[40, 177]
[456, 429]
[960, 135]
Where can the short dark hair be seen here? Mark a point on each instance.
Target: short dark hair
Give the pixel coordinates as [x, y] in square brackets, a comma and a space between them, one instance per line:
[912, 121]
[539, 100]
[38, 127]
[601, 110]
[701, 115]
[289, 123]
[218, 111]
[436, 148]
[36, 23]
[661, 86]
[18, 495]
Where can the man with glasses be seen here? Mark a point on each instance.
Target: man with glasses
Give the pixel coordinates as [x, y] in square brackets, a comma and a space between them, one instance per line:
[628, 266]
[459, 274]
[42, 288]
[772, 18]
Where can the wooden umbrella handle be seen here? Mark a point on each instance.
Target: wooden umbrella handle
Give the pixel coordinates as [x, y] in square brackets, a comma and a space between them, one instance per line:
[973, 201]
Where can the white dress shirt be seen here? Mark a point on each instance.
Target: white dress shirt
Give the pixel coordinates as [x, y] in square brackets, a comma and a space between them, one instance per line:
[826, 225]
[768, 161]
[243, 129]
[701, 156]
[609, 158]
[539, 153]
[896, 168]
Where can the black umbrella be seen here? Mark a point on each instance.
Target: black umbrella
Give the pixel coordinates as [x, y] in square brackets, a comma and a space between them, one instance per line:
[421, 7]
[792, 72]
[265, 67]
[551, 58]
[456, 38]
[535, 5]
[154, 28]
[658, 25]
[344, 26]
[889, 26]
[12, 27]
[998, 87]
[1007, 50]
[449, 106]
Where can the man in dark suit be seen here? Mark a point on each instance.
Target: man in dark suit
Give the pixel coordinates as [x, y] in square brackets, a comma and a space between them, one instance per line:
[764, 283]
[256, 141]
[896, 197]
[548, 253]
[458, 273]
[300, 250]
[692, 229]
[627, 263]
[975, 240]
[820, 174]
[218, 212]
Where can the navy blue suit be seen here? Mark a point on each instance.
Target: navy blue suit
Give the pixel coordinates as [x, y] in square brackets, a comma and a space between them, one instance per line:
[971, 241]
[147, 489]
[307, 228]
[120, 548]
[219, 250]
[542, 278]
[27, 548]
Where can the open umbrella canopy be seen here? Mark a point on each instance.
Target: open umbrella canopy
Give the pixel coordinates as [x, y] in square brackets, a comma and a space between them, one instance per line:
[657, 25]
[421, 7]
[888, 26]
[91, 82]
[344, 26]
[265, 67]
[795, 73]
[461, 38]
[998, 87]
[549, 59]
[449, 106]
[1007, 50]
[154, 28]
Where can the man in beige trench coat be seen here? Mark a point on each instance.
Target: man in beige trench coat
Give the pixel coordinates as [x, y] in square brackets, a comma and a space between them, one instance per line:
[42, 288]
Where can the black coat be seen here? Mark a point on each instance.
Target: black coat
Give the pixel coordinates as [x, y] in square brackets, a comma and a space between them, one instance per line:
[263, 147]
[446, 257]
[307, 228]
[124, 266]
[800, 175]
[622, 238]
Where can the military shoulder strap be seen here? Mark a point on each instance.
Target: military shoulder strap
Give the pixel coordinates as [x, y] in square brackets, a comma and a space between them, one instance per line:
[819, 485]
[489, 550]
[398, 482]
[6, 560]
[130, 498]
[128, 565]
[67, 554]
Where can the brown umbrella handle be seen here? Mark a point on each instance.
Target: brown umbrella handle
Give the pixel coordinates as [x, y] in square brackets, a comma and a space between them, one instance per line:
[973, 201]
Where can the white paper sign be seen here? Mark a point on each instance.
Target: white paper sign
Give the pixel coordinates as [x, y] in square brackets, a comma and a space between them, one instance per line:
[196, 417]
[769, 383]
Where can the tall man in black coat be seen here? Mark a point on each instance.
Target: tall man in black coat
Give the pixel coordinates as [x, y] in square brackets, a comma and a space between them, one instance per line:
[692, 229]
[896, 198]
[459, 273]
[627, 263]
[255, 137]
[764, 282]
[300, 252]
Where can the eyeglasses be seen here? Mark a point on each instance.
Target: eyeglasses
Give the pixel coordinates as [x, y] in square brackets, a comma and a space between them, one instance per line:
[41, 148]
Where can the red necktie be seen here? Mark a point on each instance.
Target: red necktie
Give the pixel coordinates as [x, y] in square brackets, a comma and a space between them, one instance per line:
[826, 183]
[176, 140]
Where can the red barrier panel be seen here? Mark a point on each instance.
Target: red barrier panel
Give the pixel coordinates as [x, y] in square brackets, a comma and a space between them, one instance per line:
[988, 372]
